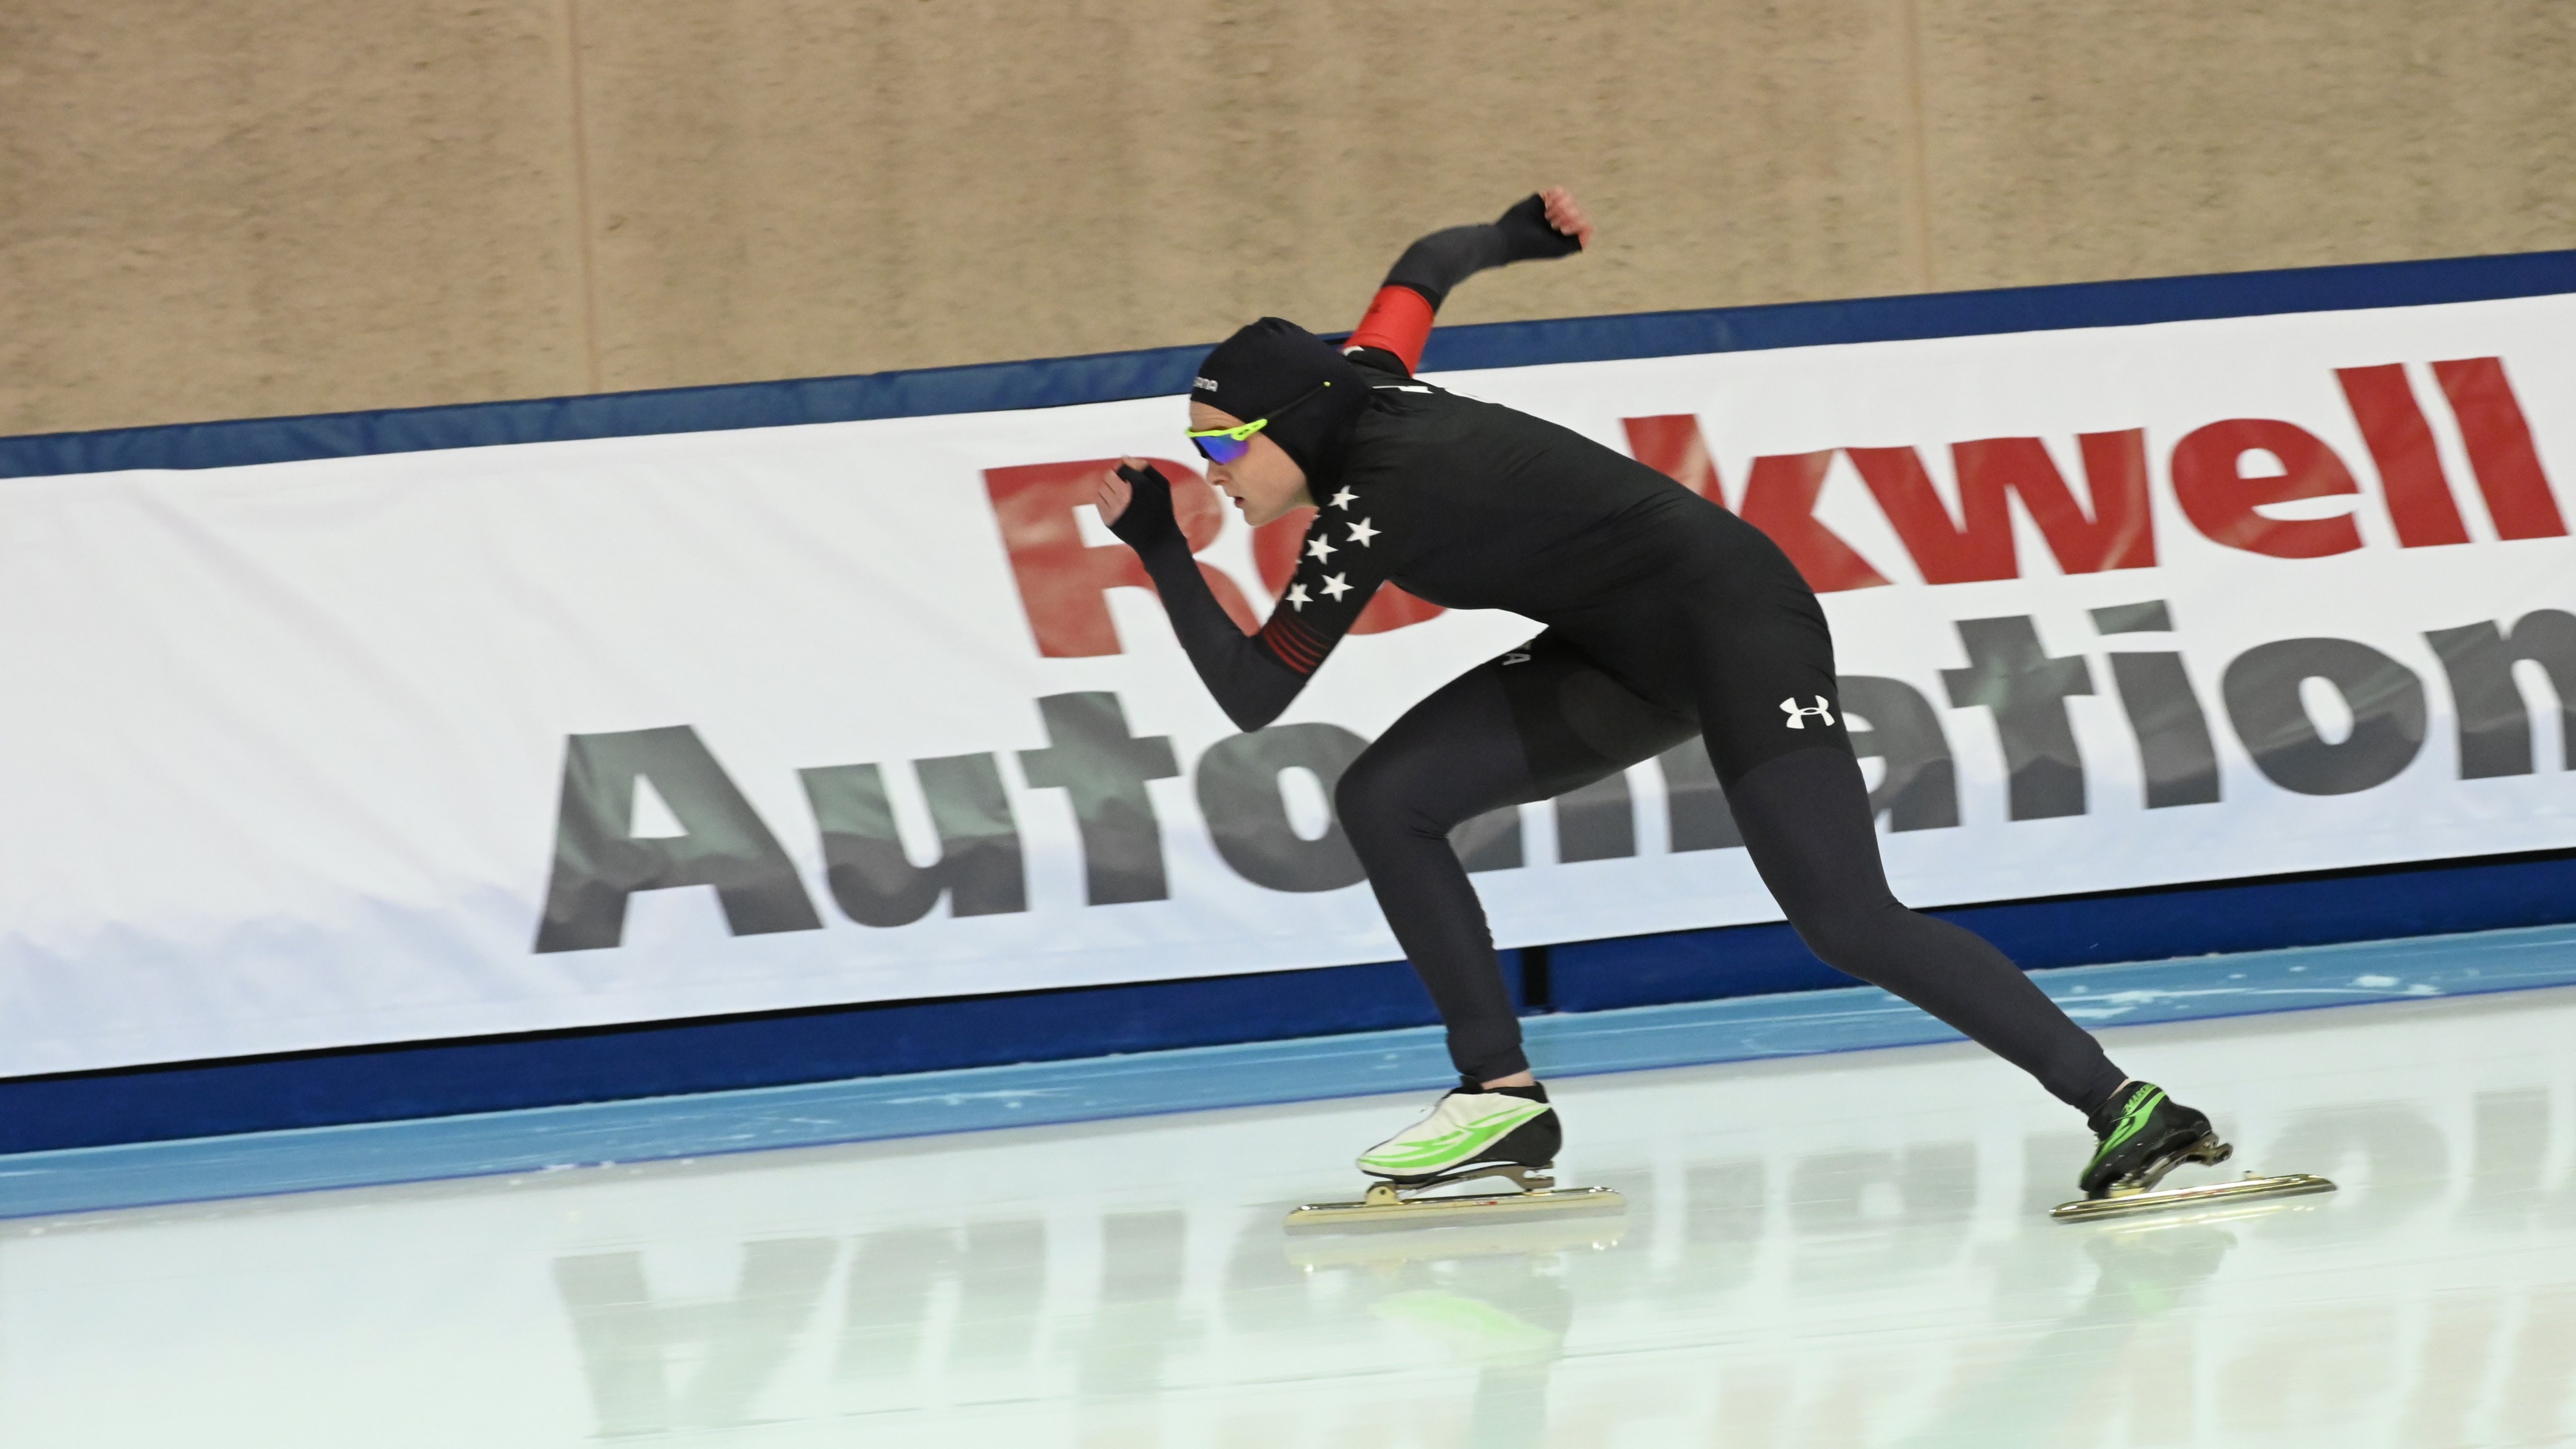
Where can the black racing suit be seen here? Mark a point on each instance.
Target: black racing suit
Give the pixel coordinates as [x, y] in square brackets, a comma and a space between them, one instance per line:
[1666, 616]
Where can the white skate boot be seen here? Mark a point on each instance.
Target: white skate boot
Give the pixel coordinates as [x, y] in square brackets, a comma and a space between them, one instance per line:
[1473, 1132]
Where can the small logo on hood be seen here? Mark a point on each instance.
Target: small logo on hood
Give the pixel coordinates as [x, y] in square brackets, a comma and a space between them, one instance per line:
[1203, 384]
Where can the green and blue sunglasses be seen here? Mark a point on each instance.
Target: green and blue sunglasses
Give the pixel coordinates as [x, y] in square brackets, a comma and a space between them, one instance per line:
[1225, 445]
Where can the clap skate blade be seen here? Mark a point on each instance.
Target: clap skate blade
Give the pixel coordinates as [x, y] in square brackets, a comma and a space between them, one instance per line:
[1539, 1237]
[2138, 1194]
[1387, 1205]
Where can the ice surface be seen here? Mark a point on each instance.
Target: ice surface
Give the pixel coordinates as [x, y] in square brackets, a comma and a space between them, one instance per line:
[1836, 1250]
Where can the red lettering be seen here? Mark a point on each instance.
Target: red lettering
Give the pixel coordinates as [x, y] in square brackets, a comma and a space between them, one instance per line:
[1062, 580]
[2500, 450]
[1779, 497]
[2118, 534]
[2121, 534]
[1671, 445]
[2220, 499]
[1947, 554]
[2401, 444]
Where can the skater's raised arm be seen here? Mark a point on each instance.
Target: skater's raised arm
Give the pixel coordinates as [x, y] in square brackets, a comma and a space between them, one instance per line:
[1398, 321]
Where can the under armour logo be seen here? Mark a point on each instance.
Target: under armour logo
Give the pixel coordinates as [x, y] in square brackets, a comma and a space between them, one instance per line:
[1798, 713]
[1517, 656]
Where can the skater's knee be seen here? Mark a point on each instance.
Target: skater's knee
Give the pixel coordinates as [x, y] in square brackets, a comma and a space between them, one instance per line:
[1833, 942]
[1852, 938]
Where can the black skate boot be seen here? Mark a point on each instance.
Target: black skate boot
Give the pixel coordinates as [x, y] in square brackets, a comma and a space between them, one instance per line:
[2144, 1135]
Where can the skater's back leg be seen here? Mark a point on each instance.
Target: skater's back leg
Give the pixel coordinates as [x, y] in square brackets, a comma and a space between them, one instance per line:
[1805, 819]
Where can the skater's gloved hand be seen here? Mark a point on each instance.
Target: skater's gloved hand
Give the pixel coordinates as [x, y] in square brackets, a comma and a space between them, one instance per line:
[1135, 500]
[1549, 224]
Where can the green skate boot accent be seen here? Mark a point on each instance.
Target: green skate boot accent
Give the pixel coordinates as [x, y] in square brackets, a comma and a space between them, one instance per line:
[2150, 1135]
[1457, 1132]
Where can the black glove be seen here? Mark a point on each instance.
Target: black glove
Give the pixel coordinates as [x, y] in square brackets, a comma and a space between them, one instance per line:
[1148, 520]
[1527, 237]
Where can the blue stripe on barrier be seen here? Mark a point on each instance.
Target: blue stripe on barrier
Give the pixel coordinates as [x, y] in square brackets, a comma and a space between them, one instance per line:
[446, 1078]
[2141, 925]
[1161, 372]
[1740, 1029]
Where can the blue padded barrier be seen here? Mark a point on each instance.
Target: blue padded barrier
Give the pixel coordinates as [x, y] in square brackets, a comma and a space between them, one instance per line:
[429, 1079]
[2140, 925]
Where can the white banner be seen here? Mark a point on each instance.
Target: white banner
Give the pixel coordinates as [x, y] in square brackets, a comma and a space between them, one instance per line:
[505, 739]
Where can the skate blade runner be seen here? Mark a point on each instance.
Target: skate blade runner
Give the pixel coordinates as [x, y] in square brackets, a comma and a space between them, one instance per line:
[1665, 617]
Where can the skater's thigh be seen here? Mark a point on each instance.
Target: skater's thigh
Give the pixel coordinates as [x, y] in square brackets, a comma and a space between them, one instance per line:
[1763, 676]
[1529, 724]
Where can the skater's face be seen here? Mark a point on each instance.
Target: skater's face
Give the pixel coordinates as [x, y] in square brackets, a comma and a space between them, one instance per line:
[1265, 482]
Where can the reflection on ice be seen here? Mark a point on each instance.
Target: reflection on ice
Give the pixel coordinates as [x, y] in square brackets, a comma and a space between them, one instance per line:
[1847, 1250]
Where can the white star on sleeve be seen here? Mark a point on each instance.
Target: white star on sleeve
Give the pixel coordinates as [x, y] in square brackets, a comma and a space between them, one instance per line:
[1361, 533]
[1335, 587]
[1298, 598]
[1319, 547]
[1344, 499]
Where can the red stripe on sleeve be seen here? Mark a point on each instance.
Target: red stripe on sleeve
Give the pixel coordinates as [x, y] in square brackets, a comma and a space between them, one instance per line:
[1293, 643]
[1398, 320]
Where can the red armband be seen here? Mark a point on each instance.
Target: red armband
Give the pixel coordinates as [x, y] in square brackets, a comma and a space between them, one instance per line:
[1399, 321]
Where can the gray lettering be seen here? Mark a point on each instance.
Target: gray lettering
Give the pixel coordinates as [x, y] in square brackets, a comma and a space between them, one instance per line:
[2495, 726]
[2151, 617]
[599, 862]
[1238, 788]
[1093, 759]
[2174, 745]
[979, 865]
[2009, 673]
[2261, 688]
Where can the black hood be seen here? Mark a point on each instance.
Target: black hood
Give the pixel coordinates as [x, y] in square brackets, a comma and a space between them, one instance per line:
[1275, 363]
